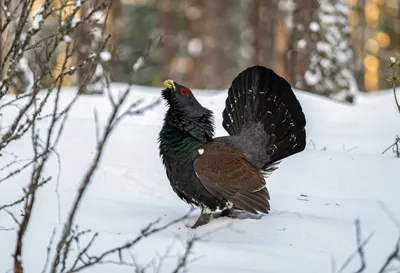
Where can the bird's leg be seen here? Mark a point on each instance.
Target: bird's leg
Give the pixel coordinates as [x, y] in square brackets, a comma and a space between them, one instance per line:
[228, 213]
[205, 218]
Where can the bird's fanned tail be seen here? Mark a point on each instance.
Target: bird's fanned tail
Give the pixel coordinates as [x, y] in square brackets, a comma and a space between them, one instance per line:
[259, 96]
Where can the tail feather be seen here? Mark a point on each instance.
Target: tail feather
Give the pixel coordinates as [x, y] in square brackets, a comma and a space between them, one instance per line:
[258, 95]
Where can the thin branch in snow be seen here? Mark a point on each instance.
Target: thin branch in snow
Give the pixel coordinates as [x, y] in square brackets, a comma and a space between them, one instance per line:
[183, 261]
[12, 216]
[48, 251]
[149, 230]
[5, 229]
[58, 184]
[390, 215]
[22, 199]
[96, 123]
[16, 202]
[394, 256]
[359, 251]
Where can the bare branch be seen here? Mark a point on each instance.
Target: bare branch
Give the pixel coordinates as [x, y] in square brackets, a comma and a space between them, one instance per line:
[183, 261]
[48, 251]
[359, 250]
[147, 231]
[30, 107]
[395, 255]
[96, 122]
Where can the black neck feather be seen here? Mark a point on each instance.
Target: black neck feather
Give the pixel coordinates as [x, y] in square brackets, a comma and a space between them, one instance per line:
[181, 134]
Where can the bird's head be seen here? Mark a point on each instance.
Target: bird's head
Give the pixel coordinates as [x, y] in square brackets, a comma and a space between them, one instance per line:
[185, 111]
[180, 98]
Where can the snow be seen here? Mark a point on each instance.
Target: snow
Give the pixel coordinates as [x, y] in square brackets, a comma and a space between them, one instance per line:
[37, 19]
[316, 195]
[312, 78]
[193, 13]
[138, 64]
[99, 71]
[23, 66]
[195, 47]
[324, 47]
[105, 56]
[301, 43]
[75, 21]
[314, 26]
[287, 7]
[67, 39]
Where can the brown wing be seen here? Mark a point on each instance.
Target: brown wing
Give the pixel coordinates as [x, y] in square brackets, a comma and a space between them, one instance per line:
[226, 173]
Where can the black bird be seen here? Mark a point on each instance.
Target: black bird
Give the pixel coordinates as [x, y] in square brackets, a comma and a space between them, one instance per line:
[265, 123]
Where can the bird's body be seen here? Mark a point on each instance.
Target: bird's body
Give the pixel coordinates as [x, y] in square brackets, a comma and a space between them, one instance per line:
[265, 123]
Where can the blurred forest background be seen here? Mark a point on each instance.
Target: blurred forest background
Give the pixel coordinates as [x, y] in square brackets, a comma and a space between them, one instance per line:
[329, 47]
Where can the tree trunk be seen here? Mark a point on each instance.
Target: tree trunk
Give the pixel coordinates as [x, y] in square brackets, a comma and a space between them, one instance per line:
[167, 24]
[254, 23]
[218, 49]
[195, 46]
[266, 33]
[302, 42]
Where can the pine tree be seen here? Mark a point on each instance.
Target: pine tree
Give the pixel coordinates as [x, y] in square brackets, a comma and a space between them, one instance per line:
[330, 72]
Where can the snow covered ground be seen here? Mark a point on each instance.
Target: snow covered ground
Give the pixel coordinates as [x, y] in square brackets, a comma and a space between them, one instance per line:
[316, 195]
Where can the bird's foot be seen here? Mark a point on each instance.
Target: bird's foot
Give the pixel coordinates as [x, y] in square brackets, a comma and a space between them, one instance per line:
[239, 214]
[228, 213]
[204, 218]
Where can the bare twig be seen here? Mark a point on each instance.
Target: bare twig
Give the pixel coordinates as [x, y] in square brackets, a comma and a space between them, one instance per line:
[360, 251]
[5, 229]
[96, 123]
[183, 261]
[395, 255]
[30, 107]
[147, 231]
[48, 251]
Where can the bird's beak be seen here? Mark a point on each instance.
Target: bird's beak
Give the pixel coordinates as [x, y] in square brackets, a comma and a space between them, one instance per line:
[170, 84]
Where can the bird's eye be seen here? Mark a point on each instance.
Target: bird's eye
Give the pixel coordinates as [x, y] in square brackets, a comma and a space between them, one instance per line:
[185, 91]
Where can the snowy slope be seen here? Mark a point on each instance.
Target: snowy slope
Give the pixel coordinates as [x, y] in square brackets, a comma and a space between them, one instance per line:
[316, 195]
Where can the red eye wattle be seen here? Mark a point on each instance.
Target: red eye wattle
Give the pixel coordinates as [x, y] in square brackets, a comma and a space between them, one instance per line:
[185, 91]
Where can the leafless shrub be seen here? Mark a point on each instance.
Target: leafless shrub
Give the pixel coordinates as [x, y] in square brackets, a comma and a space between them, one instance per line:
[35, 66]
[390, 263]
